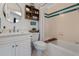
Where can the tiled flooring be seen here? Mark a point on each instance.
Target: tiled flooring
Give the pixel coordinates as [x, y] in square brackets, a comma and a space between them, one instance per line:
[34, 53]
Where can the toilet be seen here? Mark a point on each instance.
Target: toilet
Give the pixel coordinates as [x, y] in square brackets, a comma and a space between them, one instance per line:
[40, 46]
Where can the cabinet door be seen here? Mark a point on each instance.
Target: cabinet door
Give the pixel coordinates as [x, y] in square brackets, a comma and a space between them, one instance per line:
[23, 48]
[7, 49]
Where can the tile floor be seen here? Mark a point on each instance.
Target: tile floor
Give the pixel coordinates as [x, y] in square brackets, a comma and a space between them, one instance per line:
[34, 53]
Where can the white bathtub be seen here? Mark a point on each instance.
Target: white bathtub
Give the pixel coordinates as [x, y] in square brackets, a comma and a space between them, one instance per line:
[69, 46]
[62, 49]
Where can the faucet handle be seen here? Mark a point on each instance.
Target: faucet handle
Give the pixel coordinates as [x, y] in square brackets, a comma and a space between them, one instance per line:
[17, 30]
[9, 31]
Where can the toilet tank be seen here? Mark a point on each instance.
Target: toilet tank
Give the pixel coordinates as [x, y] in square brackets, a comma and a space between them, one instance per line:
[35, 37]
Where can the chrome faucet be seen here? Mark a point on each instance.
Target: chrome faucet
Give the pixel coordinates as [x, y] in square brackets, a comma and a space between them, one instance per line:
[14, 28]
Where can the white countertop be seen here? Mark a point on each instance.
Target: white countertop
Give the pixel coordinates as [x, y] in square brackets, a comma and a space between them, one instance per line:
[14, 34]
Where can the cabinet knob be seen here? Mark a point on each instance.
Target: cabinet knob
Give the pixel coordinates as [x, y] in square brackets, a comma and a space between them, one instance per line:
[16, 45]
[13, 46]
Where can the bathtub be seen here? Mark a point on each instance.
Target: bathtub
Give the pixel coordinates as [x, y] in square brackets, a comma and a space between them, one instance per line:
[61, 48]
[70, 46]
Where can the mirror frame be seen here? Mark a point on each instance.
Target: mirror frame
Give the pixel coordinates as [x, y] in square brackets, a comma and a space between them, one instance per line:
[4, 13]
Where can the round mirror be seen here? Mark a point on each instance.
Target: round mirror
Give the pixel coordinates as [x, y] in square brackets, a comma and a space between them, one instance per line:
[12, 12]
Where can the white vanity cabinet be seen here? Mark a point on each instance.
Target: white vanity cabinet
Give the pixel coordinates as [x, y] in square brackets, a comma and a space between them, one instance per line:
[6, 49]
[22, 48]
[15, 45]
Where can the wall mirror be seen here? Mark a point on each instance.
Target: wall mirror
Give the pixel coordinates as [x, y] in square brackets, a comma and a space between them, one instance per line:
[12, 12]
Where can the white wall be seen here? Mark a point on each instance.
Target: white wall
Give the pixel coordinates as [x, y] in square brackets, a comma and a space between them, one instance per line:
[68, 27]
[46, 30]
[22, 25]
[64, 27]
[48, 26]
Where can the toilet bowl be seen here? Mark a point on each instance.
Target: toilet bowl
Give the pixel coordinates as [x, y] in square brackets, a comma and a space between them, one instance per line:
[40, 47]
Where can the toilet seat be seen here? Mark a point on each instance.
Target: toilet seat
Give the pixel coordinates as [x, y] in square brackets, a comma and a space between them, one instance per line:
[40, 45]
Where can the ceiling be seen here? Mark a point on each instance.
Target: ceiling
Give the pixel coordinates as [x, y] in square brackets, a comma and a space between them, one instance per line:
[37, 5]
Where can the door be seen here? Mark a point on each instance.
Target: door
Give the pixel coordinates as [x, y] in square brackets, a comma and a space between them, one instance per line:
[23, 48]
[7, 49]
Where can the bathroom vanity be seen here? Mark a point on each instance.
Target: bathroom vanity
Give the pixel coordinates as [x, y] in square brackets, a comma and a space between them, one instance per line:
[15, 44]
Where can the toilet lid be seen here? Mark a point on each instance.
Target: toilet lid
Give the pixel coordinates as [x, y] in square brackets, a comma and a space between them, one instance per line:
[40, 43]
